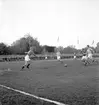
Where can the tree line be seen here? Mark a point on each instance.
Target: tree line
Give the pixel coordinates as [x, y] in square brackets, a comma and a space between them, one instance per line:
[23, 44]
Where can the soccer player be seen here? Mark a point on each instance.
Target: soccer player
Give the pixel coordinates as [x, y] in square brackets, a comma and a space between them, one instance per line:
[46, 57]
[58, 54]
[74, 55]
[84, 59]
[89, 54]
[27, 58]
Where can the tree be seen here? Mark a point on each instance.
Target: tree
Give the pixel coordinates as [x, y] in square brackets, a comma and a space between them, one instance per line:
[69, 50]
[4, 49]
[60, 49]
[49, 49]
[23, 45]
[97, 48]
[19, 46]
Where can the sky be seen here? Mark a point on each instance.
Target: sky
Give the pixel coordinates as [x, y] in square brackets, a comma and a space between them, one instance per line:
[46, 20]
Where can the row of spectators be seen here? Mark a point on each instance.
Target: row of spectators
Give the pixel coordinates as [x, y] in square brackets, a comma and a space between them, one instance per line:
[40, 57]
[2, 59]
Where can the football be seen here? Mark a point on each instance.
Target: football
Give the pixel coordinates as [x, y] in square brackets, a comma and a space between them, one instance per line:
[65, 65]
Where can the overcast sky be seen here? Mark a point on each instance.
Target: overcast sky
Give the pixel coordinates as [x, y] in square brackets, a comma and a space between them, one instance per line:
[48, 19]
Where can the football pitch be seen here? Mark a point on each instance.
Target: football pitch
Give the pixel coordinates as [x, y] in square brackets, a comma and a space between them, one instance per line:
[75, 84]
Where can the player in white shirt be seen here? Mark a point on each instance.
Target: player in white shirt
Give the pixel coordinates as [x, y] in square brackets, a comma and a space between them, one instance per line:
[89, 52]
[75, 56]
[88, 58]
[46, 57]
[58, 54]
[84, 59]
[27, 58]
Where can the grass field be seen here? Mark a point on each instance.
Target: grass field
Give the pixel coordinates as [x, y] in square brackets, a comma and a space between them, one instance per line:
[9, 97]
[73, 85]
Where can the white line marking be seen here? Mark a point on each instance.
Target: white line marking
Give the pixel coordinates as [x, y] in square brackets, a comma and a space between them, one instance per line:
[34, 96]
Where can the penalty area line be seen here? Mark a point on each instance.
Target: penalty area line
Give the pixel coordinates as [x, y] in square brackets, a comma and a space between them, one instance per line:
[34, 96]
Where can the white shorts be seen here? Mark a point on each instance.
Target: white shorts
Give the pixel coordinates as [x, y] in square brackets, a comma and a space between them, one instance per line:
[90, 56]
[27, 58]
[45, 57]
[84, 58]
[74, 57]
[58, 57]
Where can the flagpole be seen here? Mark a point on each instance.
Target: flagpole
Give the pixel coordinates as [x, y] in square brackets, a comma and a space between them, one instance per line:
[78, 42]
[58, 41]
[93, 43]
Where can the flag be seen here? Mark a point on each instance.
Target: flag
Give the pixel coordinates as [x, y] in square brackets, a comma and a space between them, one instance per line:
[77, 40]
[78, 45]
[58, 39]
[92, 42]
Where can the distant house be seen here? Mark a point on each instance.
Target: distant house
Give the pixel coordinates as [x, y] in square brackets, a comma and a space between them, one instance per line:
[49, 49]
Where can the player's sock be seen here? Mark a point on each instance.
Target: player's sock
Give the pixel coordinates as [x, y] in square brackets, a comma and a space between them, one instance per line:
[61, 61]
[28, 66]
[23, 67]
[93, 60]
[86, 62]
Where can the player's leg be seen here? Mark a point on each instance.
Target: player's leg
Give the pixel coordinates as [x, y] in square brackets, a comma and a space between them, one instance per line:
[75, 57]
[46, 57]
[95, 60]
[23, 67]
[86, 62]
[28, 64]
[84, 59]
[59, 59]
[90, 58]
[26, 61]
